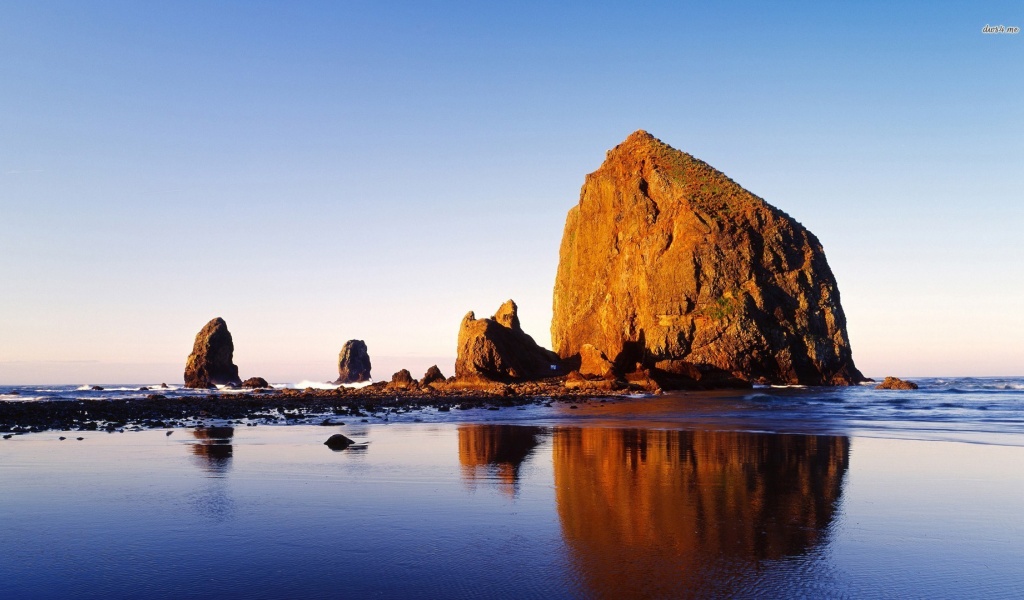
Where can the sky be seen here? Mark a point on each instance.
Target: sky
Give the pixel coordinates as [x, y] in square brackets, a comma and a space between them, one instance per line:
[314, 172]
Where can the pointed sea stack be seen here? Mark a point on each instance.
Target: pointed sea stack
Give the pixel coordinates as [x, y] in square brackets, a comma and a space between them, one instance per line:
[668, 264]
[210, 362]
[353, 362]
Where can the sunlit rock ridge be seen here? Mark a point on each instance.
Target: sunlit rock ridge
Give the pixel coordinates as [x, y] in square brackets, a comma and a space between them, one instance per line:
[667, 264]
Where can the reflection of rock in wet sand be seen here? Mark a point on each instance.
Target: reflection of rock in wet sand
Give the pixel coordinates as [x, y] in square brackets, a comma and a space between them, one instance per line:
[495, 452]
[670, 513]
[214, 448]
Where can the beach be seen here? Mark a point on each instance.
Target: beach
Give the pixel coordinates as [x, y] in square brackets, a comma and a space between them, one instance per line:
[761, 493]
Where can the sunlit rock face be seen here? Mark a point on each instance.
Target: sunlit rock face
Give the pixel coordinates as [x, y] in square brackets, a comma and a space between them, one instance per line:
[666, 262]
[496, 452]
[649, 513]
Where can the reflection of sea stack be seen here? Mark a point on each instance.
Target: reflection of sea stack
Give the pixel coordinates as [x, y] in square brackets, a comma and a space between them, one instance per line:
[499, 349]
[666, 262]
[662, 514]
[497, 450]
[214, 448]
[353, 362]
[210, 362]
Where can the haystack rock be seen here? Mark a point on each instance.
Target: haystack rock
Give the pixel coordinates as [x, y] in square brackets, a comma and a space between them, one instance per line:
[498, 349]
[210, 362]
[353, 363]
[667, 263]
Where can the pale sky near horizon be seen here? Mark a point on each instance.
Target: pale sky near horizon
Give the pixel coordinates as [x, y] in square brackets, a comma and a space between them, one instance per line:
[314, 172]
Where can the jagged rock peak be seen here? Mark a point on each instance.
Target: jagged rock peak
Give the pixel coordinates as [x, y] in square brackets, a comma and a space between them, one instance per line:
[498, 349]
[508, 315]
[665, 258]
[211, 360]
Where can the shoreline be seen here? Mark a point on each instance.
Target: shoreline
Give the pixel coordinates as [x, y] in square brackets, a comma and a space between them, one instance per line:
[270, 406]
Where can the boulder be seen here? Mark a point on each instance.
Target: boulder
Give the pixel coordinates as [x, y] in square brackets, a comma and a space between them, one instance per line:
[402, 380]
[498, 349]
[594, 363]
[210, 362]
[353, 363]
[895, 383]
[433, 375]
[338, 442]
[667, 259]
[255, 383]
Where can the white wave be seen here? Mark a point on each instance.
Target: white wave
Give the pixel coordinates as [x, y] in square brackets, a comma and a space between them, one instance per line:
[320, 385]
[305, 383]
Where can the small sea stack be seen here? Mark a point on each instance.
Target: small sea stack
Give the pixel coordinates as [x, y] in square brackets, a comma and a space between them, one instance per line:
[433, 375]
[353, 363]
[210, 363]
[498, 349]
[402, 380]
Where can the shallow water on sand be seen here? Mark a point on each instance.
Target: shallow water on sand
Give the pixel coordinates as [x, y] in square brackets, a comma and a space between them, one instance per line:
[587, 506]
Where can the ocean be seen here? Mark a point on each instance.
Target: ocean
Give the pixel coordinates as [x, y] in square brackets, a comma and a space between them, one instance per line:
[763, 493]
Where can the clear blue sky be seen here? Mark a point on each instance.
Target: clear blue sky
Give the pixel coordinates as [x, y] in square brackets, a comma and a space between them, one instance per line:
[319, 171]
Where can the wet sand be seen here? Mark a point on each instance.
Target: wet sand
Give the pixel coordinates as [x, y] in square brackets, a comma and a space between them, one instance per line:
[507, 510]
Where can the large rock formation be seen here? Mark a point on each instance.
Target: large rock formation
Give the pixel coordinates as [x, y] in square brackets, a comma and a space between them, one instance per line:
[210, 362]
[353, 363]
[666, 262]
[499, 349]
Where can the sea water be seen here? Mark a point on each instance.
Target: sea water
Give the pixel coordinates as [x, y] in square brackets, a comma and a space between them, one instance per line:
[771, 492]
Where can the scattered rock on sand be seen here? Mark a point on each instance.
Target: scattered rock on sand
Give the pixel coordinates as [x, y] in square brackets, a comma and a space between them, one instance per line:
[895, 383]
[338, 442]
[211, 363]
[353, 362]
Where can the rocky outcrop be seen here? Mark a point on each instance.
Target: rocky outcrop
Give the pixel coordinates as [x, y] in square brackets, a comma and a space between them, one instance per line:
[498, 349]
[255, 383]
[594, 363]
[433, 375]
[210, 362]
[895, 383]
[667, 259]
[402, 380]
[353, 363]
